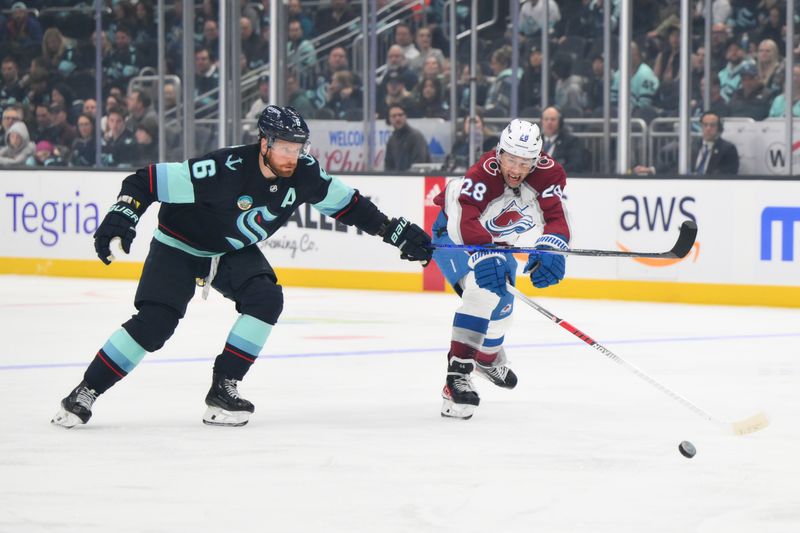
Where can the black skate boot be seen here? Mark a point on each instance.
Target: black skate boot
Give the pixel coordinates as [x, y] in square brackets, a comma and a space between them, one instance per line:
[225, 406]
[498, 373]
[76, 408]
[460, 396]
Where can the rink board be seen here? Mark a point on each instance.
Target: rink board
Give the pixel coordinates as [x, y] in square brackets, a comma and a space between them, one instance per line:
[747, 249]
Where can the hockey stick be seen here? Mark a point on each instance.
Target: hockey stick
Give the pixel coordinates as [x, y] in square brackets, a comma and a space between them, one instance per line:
[752, 424]
[686, 237]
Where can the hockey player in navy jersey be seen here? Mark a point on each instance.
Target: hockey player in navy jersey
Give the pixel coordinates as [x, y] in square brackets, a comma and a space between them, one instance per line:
[512, 190]
[214, 211]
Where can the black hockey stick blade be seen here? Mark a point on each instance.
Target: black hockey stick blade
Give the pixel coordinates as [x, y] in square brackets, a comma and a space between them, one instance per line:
[686, 238]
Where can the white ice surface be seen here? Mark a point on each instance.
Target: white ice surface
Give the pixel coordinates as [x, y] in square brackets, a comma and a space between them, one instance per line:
[347, 435]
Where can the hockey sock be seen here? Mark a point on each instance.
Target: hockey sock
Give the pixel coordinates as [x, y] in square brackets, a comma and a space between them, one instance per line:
[115, 360]
[244, 343]
[484, 358]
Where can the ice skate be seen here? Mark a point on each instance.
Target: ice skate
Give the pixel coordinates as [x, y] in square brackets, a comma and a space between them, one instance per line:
[76, 408]
[459, 395]
[497, 372]
[225, 406]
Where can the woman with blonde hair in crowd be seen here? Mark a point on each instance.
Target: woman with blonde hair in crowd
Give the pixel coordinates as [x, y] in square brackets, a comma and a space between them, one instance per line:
[771, 67]
[59, 54]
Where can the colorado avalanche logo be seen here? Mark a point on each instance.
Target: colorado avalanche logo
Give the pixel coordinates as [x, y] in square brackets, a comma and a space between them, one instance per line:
[512, 219]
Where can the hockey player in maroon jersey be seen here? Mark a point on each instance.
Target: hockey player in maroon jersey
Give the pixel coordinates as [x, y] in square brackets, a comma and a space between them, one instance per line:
[512, 190]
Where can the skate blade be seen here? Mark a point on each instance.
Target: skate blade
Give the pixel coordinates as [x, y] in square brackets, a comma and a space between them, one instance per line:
[66, 419]
[216, 416]
[462, 411]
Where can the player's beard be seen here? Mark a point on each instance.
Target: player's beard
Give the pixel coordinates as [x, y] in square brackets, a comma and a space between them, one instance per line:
[282, 171]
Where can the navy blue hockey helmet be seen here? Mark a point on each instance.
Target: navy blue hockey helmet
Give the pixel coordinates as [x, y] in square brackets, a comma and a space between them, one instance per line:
[284, 123]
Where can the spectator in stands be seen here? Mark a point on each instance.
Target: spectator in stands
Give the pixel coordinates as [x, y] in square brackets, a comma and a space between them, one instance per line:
[771, 68]
[301, 55]
[405, 40]
[463, 88]
[778, 108]
[146, 136]
[64, 96]
[430, 99]
[644, 83]
[64, 133]
[569, 91]
[123, 14]
[343, 97]
[59, 54]
[170, 96]
[424, 40]
[751, 99]
[210, 39]
[434, 69]
[113, 101]
[720, 36]
[11, 115]
[42, 131]
[90, 106]
[124, 61]
[773, 28]
[250, 126]
[498, 97]
[83, 150]
[46, 155]
[718, 104]
[252, 47]
[730, 77]
[22, 29]
[396, 94]
[329, 18]
[485, 140]
[531, 16]
[396, 62]
[559, 143]
[18, 146]
[145, 28]
[594, 87]
[139, 107]
[296, 12]
[38, 93]
[12, 90]
[298, 97]
[530, 85]
[406, 145]
[206, 80]
[667, 65]
[119, 148]
[336, 61]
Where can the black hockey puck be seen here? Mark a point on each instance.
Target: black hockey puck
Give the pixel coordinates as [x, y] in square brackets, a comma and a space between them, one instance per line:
[687, 449]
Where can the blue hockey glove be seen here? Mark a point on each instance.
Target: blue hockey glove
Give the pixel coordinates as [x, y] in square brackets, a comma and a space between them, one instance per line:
[412, 240]
[120, 222]
[491, 271]
[547, 269]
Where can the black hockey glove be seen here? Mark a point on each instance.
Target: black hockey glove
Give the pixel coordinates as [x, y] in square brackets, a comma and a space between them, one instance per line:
[120, 222]
[412, 240]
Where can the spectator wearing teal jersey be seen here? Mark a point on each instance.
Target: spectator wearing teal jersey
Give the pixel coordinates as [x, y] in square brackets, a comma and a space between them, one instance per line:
[644, 82]
[730, 78]
[778, 108]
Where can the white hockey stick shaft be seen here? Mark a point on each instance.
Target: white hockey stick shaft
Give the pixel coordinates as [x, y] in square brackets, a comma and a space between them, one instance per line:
[742, 427]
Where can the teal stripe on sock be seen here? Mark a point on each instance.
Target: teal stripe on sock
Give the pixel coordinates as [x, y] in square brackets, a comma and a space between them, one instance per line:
[123, 350]
[249, 334]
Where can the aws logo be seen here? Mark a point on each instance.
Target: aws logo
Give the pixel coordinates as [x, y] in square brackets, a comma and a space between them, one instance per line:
[657, 214]
[512, 219]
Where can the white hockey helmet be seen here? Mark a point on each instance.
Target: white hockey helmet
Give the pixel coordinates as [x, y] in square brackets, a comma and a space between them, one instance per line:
[522, 139]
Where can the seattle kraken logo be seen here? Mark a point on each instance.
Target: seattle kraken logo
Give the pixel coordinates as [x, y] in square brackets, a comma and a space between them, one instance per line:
[512, 219]
[245, 202]
[250, 225]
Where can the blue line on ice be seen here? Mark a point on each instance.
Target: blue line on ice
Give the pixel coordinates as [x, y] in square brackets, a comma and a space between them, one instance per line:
[155, 359]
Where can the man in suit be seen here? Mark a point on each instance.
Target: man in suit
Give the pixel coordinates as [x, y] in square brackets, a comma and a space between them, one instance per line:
[714, 156]
[559, 143]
